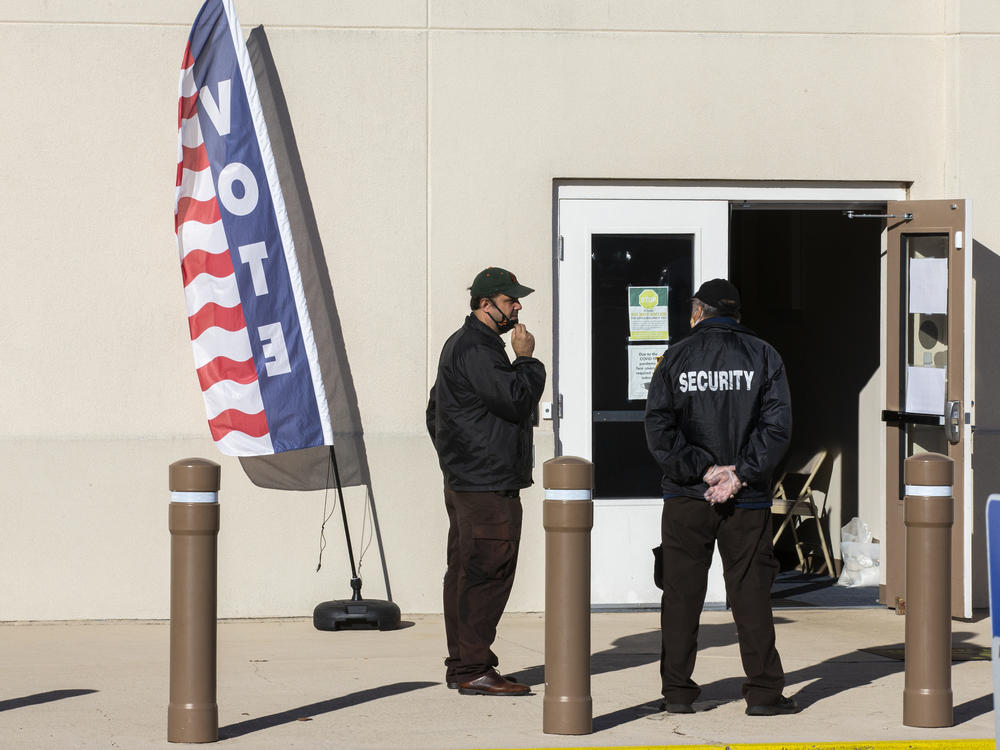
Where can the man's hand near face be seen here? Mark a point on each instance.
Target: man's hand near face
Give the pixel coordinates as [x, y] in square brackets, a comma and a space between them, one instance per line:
[522, 342]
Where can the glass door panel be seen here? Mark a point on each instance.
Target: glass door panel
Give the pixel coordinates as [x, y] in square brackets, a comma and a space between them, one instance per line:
[926, 336]
[641, 285]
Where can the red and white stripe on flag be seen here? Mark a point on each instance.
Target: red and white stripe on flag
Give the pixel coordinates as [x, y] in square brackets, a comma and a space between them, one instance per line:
[219, 335]
[252, 339]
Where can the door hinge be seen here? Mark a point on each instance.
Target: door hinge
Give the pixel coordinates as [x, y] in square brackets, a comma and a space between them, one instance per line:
[959, 240]
[559, 406]
[560, 249]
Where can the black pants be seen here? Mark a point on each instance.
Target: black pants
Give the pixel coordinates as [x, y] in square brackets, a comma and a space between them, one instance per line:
[483, 539]
[689, 529]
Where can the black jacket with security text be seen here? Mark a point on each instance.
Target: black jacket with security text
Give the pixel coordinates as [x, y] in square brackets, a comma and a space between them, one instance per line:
[719, 396]
[479, 414]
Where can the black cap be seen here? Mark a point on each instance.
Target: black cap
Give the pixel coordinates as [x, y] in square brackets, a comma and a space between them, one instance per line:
[720, 294]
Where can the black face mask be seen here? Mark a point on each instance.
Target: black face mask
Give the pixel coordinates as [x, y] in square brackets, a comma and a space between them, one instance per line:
[505, 323]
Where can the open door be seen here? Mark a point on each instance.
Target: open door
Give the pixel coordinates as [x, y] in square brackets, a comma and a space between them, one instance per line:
[929, 368]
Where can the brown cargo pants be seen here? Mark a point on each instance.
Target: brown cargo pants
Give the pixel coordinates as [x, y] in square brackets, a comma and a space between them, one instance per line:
[483, 539]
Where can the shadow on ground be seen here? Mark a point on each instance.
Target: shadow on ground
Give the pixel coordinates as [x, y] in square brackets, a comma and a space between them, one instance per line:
[821, 681]
[303, 713]
[634, 650]
[47, 697]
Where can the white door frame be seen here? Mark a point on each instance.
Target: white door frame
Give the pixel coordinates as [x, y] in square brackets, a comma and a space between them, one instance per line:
[621, 572]
[619, 578]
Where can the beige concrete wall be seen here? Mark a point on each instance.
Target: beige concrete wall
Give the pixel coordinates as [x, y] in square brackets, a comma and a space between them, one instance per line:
[431, 133]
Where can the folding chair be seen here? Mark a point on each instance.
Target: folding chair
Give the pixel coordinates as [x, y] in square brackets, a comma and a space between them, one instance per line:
[802, 506]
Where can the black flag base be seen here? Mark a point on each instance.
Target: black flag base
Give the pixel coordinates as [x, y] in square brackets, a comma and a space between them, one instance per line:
[353, 612]
[356, 613]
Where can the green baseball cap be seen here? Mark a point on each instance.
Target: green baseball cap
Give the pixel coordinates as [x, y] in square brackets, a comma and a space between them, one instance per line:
[495, 280]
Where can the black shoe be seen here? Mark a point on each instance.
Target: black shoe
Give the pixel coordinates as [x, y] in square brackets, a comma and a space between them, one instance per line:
[783, 706]
[678, 708]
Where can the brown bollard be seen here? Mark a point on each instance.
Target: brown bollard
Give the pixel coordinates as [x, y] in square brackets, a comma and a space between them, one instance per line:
[568, 517]
[928, 514]
[193, 714]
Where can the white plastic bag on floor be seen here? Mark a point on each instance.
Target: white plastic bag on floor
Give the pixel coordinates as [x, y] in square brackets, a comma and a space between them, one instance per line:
[859, 554]
[856, 530]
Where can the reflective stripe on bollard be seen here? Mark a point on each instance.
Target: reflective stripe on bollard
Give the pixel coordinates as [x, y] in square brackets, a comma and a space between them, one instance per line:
[568, 517]
[568, 494]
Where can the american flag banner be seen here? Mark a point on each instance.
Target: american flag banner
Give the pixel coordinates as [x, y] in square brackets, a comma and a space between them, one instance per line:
[254, 350]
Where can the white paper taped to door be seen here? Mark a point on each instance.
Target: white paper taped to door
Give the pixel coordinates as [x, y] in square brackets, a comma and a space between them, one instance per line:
[641, 364]
[925, 390]
[929, 285]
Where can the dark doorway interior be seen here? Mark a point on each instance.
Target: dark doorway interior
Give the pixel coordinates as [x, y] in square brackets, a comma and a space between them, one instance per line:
[810, 283]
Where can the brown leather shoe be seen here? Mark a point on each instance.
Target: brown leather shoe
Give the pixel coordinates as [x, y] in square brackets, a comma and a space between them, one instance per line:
[454, 685]
[492, 683]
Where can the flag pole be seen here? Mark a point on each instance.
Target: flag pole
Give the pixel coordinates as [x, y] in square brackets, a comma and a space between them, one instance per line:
[353, 612]
[355, 581]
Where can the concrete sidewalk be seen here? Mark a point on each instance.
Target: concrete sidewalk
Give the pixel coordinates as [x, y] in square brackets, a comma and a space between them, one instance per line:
[283, 684]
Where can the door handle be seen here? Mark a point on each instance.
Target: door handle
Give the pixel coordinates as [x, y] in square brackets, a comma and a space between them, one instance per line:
[953, 421]
[905, 417]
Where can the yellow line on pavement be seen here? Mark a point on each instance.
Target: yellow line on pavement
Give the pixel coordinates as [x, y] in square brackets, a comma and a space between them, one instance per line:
[894, 745]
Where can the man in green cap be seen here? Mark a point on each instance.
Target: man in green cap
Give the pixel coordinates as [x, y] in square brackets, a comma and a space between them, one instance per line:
[479, 417]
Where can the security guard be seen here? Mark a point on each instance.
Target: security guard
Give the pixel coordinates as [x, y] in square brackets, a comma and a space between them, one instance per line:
[718, 421]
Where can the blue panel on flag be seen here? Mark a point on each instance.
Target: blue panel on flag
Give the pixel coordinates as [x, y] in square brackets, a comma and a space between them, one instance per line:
[255, 243]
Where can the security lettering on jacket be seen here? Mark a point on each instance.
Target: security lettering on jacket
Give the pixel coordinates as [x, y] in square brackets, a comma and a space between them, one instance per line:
[719, 397]
[715, 380]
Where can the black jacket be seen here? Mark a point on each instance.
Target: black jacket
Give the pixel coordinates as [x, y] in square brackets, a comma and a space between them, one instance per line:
[719, 397]
[479, 414]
